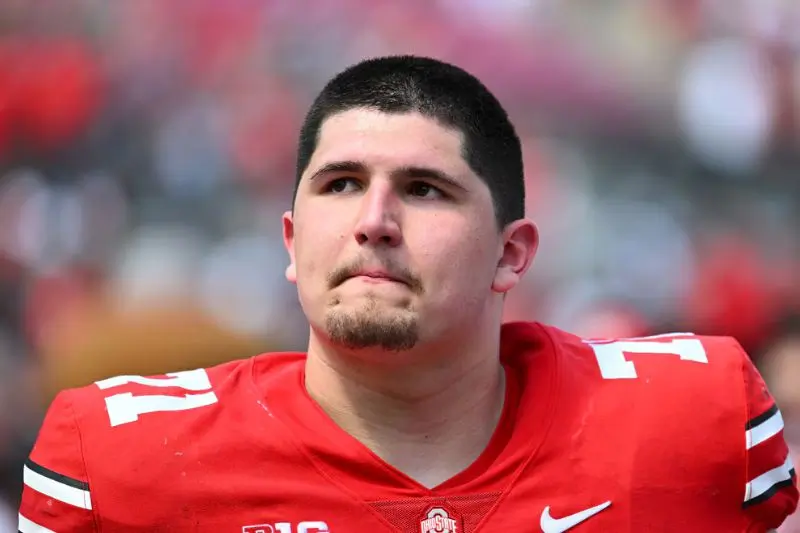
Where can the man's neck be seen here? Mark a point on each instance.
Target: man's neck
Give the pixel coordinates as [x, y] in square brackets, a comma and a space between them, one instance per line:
[429, 419]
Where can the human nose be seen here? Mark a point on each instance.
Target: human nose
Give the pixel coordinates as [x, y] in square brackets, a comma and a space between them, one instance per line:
[378, 219]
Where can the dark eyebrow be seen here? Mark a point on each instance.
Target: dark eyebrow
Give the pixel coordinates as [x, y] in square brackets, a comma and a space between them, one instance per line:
[428, 173]
[339, 166]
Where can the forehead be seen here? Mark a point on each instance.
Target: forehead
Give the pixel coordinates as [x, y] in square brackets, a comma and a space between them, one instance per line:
[391, 140]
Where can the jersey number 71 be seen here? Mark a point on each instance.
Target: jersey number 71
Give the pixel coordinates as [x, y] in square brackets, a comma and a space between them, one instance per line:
[611, 354]
[126, 407]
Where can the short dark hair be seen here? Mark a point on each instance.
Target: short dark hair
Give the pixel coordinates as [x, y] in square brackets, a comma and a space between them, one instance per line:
[449, 94]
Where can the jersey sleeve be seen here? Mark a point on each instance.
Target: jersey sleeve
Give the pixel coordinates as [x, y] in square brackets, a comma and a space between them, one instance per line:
[770, 491]
[56, 494]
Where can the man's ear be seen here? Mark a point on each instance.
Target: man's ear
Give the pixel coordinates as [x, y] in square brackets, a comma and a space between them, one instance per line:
[520, 242]
[288, 242]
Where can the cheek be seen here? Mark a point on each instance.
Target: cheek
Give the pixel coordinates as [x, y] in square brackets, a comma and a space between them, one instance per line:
[308, 256]
[459, 258]
[311, 276]
[316, 249]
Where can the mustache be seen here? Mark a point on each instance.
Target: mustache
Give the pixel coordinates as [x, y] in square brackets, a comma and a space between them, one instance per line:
[399, 272]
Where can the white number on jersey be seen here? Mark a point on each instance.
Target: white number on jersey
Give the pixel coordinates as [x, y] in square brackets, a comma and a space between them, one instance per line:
[611, 355]
[126, 407]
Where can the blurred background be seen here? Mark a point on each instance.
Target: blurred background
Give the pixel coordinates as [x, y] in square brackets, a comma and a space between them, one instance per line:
[147, 152]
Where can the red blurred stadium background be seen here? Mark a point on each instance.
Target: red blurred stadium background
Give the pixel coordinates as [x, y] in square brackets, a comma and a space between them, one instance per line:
[147, 151]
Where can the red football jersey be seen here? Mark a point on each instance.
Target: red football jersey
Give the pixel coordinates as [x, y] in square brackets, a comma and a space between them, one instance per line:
[670, 433]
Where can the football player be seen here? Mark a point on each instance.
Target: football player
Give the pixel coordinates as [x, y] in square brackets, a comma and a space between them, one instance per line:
[414, 409]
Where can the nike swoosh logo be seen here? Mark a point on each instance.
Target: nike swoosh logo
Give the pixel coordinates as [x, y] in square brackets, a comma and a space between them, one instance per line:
[560, 525]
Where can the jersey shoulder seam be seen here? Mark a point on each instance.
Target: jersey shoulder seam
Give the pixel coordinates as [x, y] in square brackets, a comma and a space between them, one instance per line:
[95, 511]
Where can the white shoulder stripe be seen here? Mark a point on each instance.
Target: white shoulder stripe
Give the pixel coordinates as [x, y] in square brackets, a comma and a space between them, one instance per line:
[765, 430]
[54, 489]
[27, 526]
[767, 480]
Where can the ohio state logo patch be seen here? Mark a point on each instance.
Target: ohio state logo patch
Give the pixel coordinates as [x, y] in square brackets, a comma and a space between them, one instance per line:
[438, 520]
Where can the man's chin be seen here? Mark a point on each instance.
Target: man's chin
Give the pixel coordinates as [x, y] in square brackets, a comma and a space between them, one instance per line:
[389, 330]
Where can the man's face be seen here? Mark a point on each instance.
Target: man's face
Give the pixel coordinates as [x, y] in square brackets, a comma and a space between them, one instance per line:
[393, 239]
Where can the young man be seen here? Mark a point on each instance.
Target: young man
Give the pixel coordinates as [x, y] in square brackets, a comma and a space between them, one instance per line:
[414, 410]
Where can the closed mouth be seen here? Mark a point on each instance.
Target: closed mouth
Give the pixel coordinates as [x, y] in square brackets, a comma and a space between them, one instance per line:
[378, 277]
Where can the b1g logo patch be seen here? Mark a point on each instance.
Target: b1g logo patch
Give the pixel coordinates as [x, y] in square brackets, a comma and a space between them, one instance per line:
[288, 527]
[438, 520]
[258, 528]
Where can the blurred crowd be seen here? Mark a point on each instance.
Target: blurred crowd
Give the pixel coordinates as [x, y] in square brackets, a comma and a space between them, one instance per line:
[147, 151]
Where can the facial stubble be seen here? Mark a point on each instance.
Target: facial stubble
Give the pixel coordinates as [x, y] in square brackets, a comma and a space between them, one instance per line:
[373, 324]
[369, 326]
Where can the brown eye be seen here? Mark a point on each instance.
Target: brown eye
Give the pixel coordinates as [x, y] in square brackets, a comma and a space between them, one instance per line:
[340, 185]
[421, 189]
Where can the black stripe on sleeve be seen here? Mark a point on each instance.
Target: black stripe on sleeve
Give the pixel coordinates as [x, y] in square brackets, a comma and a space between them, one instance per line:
[55, 476]
[761, 418]
[770, 492]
